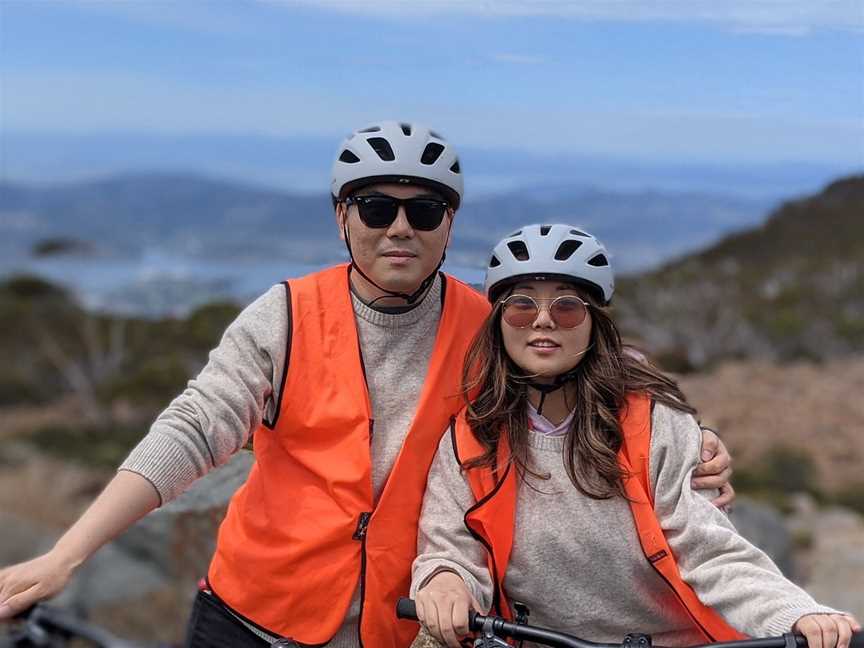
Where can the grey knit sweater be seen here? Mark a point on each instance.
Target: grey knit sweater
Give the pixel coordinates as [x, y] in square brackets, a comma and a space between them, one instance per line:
[576, 561]
[213, 418]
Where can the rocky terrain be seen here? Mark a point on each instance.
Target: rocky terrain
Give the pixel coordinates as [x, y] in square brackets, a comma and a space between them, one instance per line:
[767, 326]
[790, 289]
[813, 408]
[149, 574]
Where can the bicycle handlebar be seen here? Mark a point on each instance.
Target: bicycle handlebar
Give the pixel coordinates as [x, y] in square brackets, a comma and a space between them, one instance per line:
[42, 621]
[406, 609]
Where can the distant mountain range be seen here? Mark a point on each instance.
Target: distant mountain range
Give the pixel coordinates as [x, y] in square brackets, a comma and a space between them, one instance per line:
[192, 216]
[731, 284]
[790, 288]
[302, 164]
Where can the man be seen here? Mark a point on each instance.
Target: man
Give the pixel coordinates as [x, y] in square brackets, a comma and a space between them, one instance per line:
[347, 378]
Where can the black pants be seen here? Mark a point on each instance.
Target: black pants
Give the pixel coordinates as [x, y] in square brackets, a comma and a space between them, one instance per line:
[212, 626]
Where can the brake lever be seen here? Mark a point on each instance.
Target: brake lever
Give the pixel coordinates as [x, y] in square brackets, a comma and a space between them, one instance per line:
[487, 638]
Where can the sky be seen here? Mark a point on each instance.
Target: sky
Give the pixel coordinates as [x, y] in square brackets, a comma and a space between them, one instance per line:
[733, 81]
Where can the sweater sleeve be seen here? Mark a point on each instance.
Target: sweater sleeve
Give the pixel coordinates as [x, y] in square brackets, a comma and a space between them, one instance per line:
[727, 572]
[219, 409]
[443, 541]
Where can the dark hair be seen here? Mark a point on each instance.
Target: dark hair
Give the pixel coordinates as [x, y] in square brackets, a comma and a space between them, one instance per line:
[496, 393]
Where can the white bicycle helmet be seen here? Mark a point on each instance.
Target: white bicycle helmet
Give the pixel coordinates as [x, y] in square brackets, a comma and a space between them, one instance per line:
[550, 251]
[392, 151]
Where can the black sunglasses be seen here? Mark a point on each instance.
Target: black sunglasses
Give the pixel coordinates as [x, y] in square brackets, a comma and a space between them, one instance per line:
[379, 211]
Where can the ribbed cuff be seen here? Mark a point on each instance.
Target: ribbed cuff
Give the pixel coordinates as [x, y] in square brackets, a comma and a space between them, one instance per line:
[435, 567]
[165, 463]
[788, 616]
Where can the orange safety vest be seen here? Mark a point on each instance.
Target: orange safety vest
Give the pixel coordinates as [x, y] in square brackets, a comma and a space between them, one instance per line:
[491, 519]
[304, 526]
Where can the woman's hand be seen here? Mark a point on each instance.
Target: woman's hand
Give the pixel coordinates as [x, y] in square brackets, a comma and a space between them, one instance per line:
[827, 630]
[25, 584]
[715, 470]
[442, 607]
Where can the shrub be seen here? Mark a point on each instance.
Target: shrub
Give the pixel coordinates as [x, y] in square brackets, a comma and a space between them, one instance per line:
[102, 445]
[778, 473]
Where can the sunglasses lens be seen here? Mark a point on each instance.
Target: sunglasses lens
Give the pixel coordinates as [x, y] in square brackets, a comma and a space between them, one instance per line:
[520, 311]
[377, 211]
[424, 214]
[568, 312]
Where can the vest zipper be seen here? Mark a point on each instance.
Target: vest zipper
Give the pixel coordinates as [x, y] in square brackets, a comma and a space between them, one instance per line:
[362, 524]
[360, 534]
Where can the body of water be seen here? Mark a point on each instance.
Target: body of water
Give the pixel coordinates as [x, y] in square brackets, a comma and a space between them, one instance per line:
[155, 284]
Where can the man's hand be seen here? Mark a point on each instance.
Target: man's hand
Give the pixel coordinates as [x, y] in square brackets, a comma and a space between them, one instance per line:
[25, 584]
[715, 470]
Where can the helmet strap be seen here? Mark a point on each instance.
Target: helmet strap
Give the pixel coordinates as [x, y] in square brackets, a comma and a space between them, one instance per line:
[411, 298]
[557, 383]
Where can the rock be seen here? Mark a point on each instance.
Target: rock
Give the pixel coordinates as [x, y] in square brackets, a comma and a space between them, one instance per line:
[425, 640]
[152, 569]
[763, 525]
[832, 562]
[20, 539]
[178, 539]
[110, 576]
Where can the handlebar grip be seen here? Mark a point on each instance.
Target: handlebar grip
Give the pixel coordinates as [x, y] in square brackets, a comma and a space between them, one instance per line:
[24, 614]
[406, 609]
[857, 640]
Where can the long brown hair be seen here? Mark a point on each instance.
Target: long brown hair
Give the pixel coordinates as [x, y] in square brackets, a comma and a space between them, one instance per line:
[496, 393]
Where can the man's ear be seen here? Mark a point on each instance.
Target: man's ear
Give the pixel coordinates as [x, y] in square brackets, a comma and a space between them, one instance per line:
[341, 215]
[452, 217]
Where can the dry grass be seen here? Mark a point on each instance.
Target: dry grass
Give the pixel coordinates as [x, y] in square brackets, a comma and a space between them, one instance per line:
[21, 420]
[816, 408]
[50, 492]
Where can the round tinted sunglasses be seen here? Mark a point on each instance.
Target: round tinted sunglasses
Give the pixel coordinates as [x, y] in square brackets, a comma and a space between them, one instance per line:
[521, 311]
[424, 214]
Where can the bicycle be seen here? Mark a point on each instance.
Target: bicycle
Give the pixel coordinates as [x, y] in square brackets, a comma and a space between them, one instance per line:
[45, 626]
[492, 630]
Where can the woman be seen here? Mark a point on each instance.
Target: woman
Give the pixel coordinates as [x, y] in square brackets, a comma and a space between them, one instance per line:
[564, 484]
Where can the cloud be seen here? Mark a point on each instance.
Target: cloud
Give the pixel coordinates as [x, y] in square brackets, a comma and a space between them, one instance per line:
[778, 17]
[516, 59]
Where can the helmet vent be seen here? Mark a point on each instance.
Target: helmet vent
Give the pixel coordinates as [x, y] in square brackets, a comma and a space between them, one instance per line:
[494, 262]
[598, 261]
[371, 129]
[431, 153]
[579, 233]
[519, 250]
[406, 129]
[349, 157]
[566, 249]
[544, 230]
[382, 148]
[455, 168]
[435, 135]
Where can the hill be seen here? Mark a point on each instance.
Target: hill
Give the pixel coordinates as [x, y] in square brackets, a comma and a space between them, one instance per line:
[190, 216]
[791, 288]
